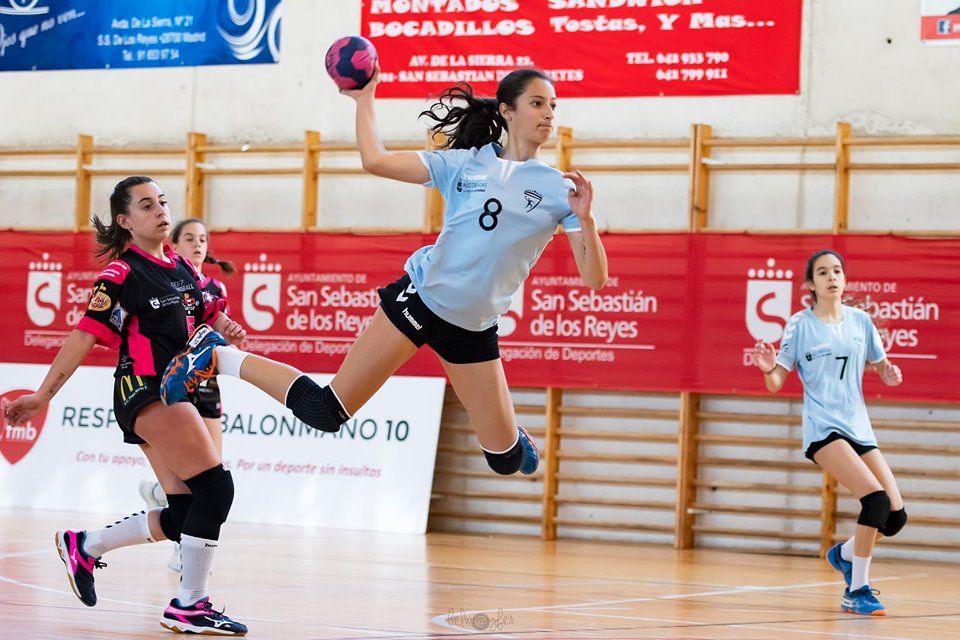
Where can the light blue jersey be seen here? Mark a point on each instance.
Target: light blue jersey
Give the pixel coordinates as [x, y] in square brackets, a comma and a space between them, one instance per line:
[500, 215]
[831, 359]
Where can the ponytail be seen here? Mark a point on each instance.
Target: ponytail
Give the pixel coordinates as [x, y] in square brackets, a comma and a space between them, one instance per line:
[479, 122]
[466, 127]
[225, 265]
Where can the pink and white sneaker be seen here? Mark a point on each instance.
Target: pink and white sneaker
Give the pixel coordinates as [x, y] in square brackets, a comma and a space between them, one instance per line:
[79, 565]
[201, 618]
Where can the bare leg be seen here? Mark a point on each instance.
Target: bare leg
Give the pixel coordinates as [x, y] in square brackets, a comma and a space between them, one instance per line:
[177, 435]
[842, 462]
[215, 429]
[881, 471]
[482, 388]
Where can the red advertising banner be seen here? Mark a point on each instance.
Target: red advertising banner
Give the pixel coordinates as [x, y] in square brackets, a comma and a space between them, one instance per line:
[681, 311]
[592, 48]
[940, 22]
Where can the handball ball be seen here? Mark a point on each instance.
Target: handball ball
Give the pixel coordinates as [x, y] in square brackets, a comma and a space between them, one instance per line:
[351, 61]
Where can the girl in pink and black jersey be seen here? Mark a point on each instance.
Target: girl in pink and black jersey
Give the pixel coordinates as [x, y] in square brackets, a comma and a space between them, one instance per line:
[190, 240]
[145, 303]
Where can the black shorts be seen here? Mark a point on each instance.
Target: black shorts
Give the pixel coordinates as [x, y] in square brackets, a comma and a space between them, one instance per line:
[860, 449]
[402, 304]
[131, 394]
[207, 399]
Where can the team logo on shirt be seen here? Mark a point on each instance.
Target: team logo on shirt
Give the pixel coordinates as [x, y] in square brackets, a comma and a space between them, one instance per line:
[472, 182]
[117, 316]
[769, 295]
[261, 293]
[189, 303]
[183, 285]
[166, 301]
[44, 285]
[533, 199]
[819, 351]
[99, 301]
[16, 441]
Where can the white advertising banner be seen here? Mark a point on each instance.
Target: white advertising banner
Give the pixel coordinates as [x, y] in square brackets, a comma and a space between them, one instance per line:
[375, 474]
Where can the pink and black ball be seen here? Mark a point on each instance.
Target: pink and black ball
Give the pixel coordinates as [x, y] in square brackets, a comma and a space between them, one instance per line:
[351, 61]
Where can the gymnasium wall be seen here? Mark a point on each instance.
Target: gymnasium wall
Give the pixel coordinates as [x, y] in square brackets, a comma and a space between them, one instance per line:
[859, 64]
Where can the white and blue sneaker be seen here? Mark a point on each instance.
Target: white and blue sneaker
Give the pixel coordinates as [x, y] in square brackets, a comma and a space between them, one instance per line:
[862, 602]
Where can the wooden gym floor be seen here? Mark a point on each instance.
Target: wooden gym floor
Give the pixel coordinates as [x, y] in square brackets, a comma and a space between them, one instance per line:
[291, 583]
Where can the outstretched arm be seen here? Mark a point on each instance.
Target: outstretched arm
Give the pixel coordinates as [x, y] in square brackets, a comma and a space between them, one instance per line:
[71, 354]
[404, 166]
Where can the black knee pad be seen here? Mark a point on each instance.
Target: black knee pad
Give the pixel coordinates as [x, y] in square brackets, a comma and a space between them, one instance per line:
[212, 498]
[316, 406]
[172, 517]
[506, 463]
[875, 508]
[895, 522]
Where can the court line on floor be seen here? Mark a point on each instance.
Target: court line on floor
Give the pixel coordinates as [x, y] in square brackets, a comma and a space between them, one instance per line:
[439, 620]
[764, 626]
[37, 587]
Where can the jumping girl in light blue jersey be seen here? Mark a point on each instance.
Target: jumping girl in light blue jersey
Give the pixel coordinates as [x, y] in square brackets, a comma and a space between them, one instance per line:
[830, 345]
[502, 208]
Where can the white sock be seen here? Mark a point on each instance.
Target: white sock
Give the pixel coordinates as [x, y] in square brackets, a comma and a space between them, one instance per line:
[196, 557]
[229, 360]
[507, 449]
[846, 550]
[861, 572]
[131, 530]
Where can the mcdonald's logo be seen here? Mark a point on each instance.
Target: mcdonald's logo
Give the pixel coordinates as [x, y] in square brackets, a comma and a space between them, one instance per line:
[126, 385]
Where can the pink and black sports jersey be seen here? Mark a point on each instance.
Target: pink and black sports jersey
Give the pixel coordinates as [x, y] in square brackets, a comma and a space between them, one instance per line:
[146, 308]
[216, 289]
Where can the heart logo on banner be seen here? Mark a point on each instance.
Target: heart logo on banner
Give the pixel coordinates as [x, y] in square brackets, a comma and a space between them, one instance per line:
[16, 442]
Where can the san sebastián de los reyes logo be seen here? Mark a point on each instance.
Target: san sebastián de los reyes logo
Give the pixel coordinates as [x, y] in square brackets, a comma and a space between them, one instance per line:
[44, 289]
[768, 304]
[261, 293]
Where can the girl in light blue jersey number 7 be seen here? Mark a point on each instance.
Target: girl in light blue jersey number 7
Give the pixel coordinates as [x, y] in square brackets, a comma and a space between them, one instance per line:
[831, 344]
[502, 208]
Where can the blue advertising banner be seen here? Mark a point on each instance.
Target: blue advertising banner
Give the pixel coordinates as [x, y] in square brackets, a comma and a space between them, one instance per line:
[101, 34]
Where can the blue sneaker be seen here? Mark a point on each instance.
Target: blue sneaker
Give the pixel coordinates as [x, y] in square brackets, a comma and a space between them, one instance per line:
[196, 363]
[837, 562]
[862, 602]
[531, 455]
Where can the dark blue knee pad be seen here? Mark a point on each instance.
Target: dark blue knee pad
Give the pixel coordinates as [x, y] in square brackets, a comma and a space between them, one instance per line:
[875, 508]
[315, 406]
[895, 522]
[508, 462]
[172, 517]
[212, 497]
